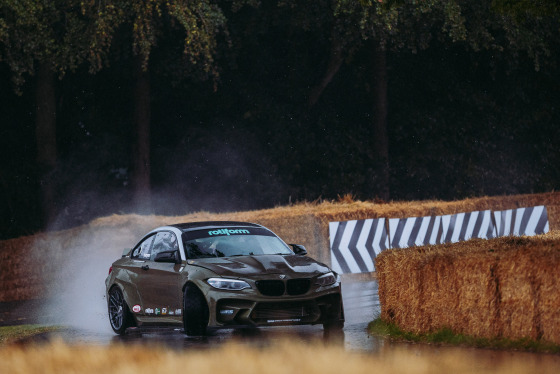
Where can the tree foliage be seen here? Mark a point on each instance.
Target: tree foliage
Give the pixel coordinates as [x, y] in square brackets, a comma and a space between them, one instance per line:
[200, 21]
[66, 33]
[467, 112]
[50, 32]
[398, 24]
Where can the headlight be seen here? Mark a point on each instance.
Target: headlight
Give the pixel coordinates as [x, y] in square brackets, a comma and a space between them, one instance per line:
[228, 284]
[326, 279]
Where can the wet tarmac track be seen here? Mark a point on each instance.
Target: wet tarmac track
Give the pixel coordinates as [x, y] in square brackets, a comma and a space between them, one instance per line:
[361, 305]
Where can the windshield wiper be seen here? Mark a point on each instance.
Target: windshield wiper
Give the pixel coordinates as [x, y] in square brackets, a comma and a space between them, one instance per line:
[243, 254]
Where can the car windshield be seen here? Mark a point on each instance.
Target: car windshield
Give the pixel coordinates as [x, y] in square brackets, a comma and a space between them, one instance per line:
[233, 242]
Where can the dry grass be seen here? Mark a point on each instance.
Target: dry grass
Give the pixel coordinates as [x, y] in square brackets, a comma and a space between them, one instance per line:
[278, 358]
[505, 287]
[304, 223]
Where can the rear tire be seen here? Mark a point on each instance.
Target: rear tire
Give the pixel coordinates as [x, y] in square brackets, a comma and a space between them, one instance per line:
[195, 318]
[119, 314]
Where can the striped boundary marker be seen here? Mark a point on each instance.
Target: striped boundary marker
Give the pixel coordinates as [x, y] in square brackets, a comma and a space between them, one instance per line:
[465, 226]
[417, 231]
[355, 244]
[522, 221]
[408, 232]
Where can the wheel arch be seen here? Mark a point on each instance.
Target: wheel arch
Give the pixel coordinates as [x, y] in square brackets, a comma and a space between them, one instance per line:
[120, 287]
[191, 283]
[126, 299]
[196, 310]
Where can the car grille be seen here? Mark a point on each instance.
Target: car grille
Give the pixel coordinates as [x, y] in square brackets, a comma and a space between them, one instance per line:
[271, 287]
[298, 286]
[285, 312]
[293, 287]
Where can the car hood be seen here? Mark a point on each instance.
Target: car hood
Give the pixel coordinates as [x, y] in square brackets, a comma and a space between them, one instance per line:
[244, 266]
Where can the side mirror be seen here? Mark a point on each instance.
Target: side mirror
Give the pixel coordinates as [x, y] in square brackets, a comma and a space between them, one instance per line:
[167, 256]
[126, 252]
[299, 249]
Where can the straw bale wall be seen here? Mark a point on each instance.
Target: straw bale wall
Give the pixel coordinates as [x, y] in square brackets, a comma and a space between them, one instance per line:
[505, 287]
[28, 263]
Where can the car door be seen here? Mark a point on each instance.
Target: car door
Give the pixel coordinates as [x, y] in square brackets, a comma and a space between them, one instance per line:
[133, 272]
[158, 282]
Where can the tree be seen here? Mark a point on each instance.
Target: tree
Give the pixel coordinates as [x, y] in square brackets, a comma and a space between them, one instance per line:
[200, 22]
[45, 40]
[397, 25]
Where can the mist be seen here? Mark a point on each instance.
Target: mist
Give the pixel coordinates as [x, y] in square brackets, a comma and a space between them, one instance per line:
[76, 275]
[212, 171]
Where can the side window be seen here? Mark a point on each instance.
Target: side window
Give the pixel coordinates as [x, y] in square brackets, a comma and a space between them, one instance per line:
[143, 250]
[164, 241]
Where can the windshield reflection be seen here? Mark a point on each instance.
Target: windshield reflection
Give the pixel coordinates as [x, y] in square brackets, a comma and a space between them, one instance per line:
[235, 245]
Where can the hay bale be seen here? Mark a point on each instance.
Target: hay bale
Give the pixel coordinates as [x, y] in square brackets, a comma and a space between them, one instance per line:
[303, 223]
[475, 312]
[547, 269]
[395, 268]
[440, 296]
[505, 287]
[518, 300]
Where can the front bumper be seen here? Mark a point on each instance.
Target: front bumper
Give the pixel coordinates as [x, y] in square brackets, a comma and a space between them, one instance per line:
[251, 309]
[277, 313]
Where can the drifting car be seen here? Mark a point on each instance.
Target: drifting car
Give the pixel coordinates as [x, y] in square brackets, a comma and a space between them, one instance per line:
[220, 275]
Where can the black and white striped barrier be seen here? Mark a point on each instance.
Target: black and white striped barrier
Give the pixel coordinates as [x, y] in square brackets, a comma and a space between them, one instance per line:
[416, 231]
[465, 226]
[355, 244]
[408, 232]
[522, 221]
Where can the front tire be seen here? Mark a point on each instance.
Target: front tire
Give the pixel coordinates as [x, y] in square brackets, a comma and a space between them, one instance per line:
[335, 321]
[119, 314]
[195, 318]
[333, 326]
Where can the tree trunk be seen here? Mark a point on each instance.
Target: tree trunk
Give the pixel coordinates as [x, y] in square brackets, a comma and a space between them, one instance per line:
[335, 62]
[380, 151]
[141, 149]
[45, 137]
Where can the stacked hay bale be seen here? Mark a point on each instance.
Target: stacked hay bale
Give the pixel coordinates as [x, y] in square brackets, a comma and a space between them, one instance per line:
[505, 287]
[27, 263]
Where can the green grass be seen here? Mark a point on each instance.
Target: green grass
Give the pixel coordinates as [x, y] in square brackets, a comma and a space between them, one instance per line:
[448, 337]
[12, 333]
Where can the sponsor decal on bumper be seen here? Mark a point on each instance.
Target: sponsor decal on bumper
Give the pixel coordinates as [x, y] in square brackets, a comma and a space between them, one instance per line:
[284, 320]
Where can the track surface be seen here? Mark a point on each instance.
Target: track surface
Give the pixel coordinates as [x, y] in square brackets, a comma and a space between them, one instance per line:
[361, 305]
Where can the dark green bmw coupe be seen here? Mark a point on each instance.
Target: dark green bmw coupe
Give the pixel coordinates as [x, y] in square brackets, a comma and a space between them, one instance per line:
[220, 274]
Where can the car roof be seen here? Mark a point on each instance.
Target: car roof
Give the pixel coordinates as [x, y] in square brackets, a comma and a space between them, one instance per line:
[191, 226]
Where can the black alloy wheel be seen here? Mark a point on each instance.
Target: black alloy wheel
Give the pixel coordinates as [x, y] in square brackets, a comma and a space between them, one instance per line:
[119, 314]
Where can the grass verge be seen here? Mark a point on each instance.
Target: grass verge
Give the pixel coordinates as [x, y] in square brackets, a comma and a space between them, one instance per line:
[448, 337]
[13, 333]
